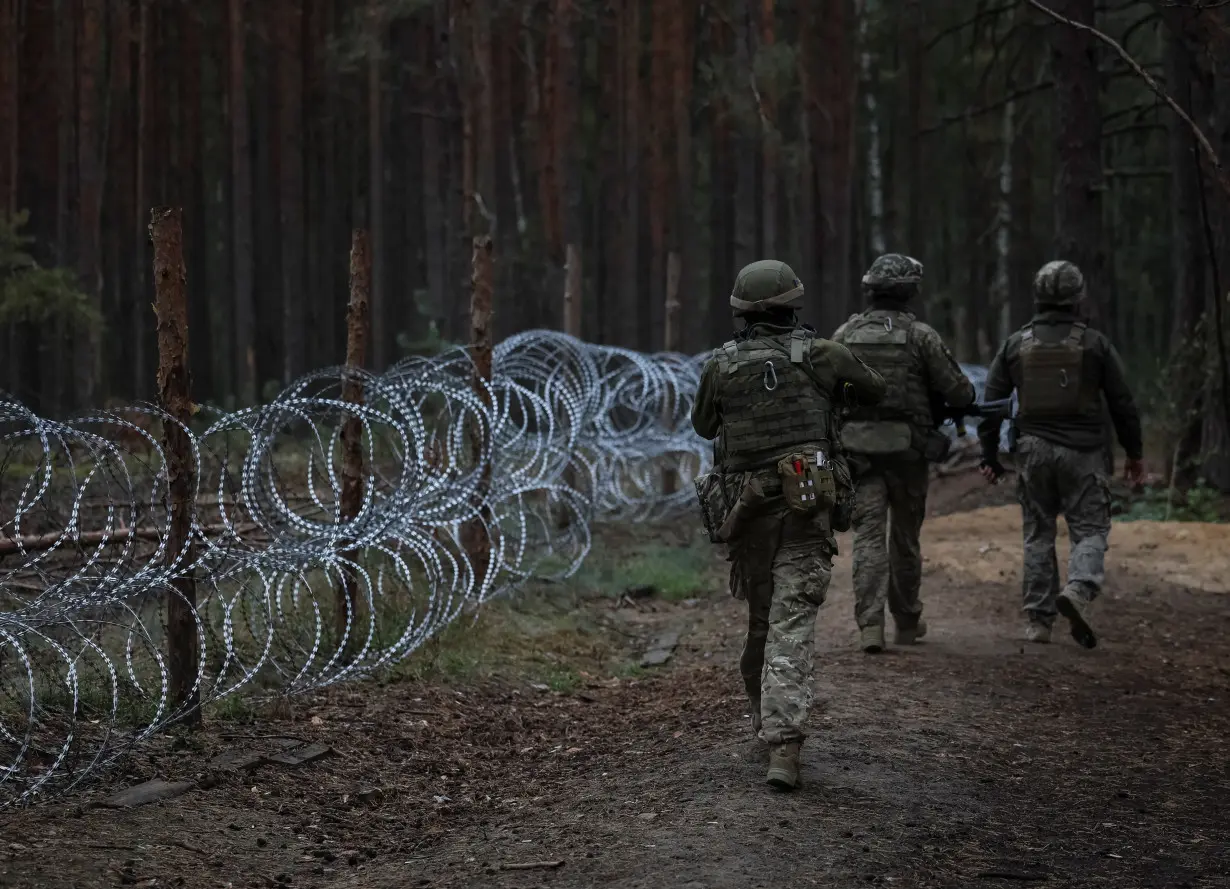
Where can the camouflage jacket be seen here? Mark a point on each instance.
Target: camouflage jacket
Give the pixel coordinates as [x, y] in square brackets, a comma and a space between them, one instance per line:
[935, 373]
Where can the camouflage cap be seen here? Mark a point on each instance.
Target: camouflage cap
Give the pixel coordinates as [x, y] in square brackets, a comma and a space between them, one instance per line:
[1059, 283]
[893, 273]
[764, 285]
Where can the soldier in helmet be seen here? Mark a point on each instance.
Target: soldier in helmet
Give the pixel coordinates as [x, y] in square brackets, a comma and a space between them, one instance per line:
[1061, 369]
[890, 444]
[769, 395]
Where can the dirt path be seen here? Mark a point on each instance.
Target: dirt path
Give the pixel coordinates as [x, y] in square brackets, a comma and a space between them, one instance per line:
[966, 761]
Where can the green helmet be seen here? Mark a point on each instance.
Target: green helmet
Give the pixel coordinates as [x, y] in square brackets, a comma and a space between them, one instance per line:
[767, 284]
[893, 275]
[1059, 283]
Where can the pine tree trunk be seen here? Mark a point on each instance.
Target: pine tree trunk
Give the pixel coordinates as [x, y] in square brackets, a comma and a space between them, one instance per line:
[1078, 178]
[628, 333]
[242, 196]
[10, 47]
[770, 139]
[567, 153]
[434, 175]
[289, 50]
[721, 198]
[86, 355]
[196, 244]
[376, 184]
[746, 208]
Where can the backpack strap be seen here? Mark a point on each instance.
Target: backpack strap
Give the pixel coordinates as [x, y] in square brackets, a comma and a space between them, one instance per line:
[731, 350]
[1075, 334]
[1027, 334]
[799, 340]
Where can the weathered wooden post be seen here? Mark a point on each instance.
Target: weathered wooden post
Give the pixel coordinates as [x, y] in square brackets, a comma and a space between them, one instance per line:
[477, 538]
[672, 342]
[358, 326]
[174, 396]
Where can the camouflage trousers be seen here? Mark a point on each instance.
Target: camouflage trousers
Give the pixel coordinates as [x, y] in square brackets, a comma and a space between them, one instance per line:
[890, 504]
[1053, 481]
[781, 565]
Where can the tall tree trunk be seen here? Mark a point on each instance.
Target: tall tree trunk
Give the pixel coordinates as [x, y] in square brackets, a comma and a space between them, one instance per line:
[746, 209]
[833, 129]
[192, 157]
[682, 255]
[1078, 154]
[10, 48]
[289, 50]
[770, 138]
[118, 209]
[381, 333]
[90, 129]
[628, 333]
[434, 175]
[873, 167]
[1189, 261]
[243, 255]
[721, 196]
[567, 138]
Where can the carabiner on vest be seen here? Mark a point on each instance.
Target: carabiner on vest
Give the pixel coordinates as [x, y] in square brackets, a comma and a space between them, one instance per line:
[1063, 378]
[770, 371]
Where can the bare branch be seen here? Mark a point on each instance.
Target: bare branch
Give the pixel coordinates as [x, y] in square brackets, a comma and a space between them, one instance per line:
[1205, 145]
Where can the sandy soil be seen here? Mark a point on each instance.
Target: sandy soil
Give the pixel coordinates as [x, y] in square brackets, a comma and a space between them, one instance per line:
[968, 760]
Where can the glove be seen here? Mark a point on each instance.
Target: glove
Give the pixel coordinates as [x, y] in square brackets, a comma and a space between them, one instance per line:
[992, 470]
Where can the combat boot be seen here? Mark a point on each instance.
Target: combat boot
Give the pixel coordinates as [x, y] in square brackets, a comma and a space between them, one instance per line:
[910, 635]
[872, 639]
[784, 766]
[1038, 632]
[1074, 610]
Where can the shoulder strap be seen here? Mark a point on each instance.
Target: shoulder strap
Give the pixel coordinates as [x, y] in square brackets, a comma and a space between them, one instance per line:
[799, 340]
[731, 349]
[1075, 334]
[1027, 333]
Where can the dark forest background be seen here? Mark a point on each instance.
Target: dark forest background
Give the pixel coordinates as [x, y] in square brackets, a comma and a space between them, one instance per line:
[630, 154]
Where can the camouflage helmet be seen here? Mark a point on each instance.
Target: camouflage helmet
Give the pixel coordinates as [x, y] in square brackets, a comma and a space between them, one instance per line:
[764, 285]
[893, 274]
[1059, 283]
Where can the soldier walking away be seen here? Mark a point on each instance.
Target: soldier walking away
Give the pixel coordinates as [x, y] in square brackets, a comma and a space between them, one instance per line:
[1061, 369]
[890, 444]
[769, 395]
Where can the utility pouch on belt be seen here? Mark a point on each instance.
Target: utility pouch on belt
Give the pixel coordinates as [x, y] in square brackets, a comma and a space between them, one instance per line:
[936, 446]
[807, 482]
[750, 496]
[713, 506]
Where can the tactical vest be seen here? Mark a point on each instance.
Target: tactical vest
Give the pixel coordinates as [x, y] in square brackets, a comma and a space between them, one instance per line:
[770, 404]
[1052, 377]
[882, 342]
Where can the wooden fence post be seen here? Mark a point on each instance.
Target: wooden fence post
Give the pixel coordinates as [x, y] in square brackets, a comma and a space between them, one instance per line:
[673, 336]
[174, 396]
[478, 538]
[572, 326]
[358, 326]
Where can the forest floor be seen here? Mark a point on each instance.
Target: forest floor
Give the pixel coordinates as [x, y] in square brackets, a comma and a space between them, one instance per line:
[534, 737]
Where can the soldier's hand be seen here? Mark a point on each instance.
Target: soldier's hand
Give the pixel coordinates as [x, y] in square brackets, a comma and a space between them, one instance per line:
[992, 470]
[1134, 472]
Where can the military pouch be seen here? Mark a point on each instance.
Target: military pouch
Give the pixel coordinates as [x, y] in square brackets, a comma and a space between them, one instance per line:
[807, 480]
[750, 496]
[877, 438]
[843, 510]
[936, 446]
[713, 506]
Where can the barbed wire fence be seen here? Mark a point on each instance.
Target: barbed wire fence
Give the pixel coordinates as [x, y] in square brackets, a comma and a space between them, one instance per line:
[304, 570]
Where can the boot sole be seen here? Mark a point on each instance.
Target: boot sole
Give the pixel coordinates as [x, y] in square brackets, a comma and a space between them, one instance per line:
[781, 780]
[1081, 631]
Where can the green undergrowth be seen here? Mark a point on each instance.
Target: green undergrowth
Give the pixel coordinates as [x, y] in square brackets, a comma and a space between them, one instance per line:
[1199, 503]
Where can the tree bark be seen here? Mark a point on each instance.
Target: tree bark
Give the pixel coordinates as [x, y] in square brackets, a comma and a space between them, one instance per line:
[358, 330]
[376, 183]
[10, 48]
[628, 334]
[289, 50]
[242, 243]
[90, 130]
[1078, 182]
[770, 139]
[175, 398]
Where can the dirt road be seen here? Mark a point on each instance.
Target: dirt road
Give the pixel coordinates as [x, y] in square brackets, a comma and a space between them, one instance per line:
[968, 760]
